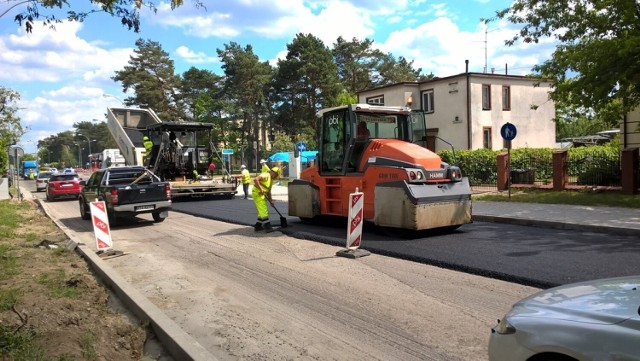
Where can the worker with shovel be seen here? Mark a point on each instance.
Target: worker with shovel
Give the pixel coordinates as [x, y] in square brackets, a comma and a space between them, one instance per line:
[261, 194]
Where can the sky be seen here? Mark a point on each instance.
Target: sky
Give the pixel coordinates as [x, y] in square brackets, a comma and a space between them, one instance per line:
[64, 75]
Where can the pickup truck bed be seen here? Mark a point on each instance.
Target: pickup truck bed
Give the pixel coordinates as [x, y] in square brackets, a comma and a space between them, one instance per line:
[127, 192]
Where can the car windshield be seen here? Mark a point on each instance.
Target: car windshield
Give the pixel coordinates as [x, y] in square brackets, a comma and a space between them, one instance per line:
[44, 175]
[63, 177]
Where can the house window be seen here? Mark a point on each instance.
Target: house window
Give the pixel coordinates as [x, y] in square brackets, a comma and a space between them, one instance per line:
[506, 97]
[486, 97]
[427, 101]
[377, 100]
[486, 138]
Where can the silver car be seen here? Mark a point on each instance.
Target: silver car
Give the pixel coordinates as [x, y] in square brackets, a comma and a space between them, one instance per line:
[593, 320]
[42, 180]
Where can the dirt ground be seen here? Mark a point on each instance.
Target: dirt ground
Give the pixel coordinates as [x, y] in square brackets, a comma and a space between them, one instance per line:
[49, 295]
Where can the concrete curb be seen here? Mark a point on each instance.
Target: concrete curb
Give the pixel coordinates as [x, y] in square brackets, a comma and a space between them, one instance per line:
[558, 225]
[178, 343]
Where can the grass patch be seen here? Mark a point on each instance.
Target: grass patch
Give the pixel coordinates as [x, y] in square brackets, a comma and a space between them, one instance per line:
[8, 262]
[579, 198]
[10, 218]
[19, 346]
[58, 285]
[88, 347]
[8, 298]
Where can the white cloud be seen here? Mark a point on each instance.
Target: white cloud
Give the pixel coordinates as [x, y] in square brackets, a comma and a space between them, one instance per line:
[193, 57]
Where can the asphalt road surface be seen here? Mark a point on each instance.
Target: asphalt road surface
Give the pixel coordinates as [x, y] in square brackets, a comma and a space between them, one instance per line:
[244, 295]
[531, 256]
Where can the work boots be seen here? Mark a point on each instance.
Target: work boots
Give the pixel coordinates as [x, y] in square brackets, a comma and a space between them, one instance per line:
[267, 227]
[257, 227]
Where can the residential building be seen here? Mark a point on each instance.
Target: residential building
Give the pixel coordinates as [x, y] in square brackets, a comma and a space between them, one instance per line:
[468, 110]
[630, 130]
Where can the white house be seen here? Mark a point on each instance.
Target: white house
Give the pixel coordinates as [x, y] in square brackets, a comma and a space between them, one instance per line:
[469, 109]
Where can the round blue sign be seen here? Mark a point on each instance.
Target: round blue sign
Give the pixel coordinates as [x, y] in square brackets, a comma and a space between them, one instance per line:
[301, 146]
[508, 131]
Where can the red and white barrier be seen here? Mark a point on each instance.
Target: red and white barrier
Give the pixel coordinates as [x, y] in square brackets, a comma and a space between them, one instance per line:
[354, 233]
[101, 225]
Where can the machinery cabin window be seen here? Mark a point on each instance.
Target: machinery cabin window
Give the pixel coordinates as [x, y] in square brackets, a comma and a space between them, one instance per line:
[335, 138]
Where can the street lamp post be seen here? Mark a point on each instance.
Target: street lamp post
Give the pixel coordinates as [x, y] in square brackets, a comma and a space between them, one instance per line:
[88, 142]
[114, 97]
[79, 152]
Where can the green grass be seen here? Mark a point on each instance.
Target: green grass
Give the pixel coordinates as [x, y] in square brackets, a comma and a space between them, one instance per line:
[8, 298]
[57, 284]
[581, 198]
[9, 218]
[8, 263]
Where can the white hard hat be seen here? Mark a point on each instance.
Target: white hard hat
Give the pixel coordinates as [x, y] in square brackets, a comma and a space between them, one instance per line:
[262, 161]
[243, 166]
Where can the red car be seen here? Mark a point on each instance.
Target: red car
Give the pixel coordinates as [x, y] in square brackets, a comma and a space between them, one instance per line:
[63, 186]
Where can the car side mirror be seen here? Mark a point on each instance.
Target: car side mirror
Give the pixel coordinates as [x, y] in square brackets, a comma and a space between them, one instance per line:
[82, 182]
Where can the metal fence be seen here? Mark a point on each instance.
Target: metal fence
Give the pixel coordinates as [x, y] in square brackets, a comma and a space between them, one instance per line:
[595, 170]
[535, 169]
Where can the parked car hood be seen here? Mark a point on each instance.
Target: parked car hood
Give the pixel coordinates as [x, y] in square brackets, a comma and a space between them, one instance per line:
[609, 301]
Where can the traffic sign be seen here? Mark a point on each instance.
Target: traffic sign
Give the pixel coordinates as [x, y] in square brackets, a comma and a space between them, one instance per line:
[508, 131]
[301, 146]
[100, 225]
[227, 151]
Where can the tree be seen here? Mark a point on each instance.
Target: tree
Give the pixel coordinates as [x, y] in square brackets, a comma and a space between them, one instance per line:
[126, 10]
[595, 63]
[246, 83]
[150, 74]
[356, 61]
[10, 127]
[304, 82]
[391, 71]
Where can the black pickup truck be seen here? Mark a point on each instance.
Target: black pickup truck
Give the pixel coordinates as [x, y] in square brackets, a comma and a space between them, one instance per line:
[127, 192]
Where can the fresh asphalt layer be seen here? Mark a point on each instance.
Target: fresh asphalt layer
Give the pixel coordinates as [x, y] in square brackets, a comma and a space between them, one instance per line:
[522, 243]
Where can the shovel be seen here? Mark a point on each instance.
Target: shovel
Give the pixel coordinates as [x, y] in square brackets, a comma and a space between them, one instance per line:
[283, 220]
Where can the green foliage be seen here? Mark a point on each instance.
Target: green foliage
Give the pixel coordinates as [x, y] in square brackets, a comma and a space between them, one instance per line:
[10, 127]
[595, 63]
[478, 165]
[150, 74]
[595, 165]
[125, 10]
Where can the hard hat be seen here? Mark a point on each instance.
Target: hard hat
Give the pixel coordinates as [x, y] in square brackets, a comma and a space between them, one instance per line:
[262, 161]
[145, 138]
[276, 170]
[243, 166]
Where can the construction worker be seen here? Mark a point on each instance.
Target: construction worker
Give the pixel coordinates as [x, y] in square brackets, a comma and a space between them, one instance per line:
[148, 147]
[261, 194]
[264, 165]
[246, 180]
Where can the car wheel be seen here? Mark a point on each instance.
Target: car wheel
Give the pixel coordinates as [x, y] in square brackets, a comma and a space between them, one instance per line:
[49, 197]
[157, 217]
[84, 214]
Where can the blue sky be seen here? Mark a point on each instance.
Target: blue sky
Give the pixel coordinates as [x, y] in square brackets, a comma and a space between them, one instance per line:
[62, 74]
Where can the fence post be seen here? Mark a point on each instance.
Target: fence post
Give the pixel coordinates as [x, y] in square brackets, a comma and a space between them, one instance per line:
[629, 165]
[503, 160]
[560, 170]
